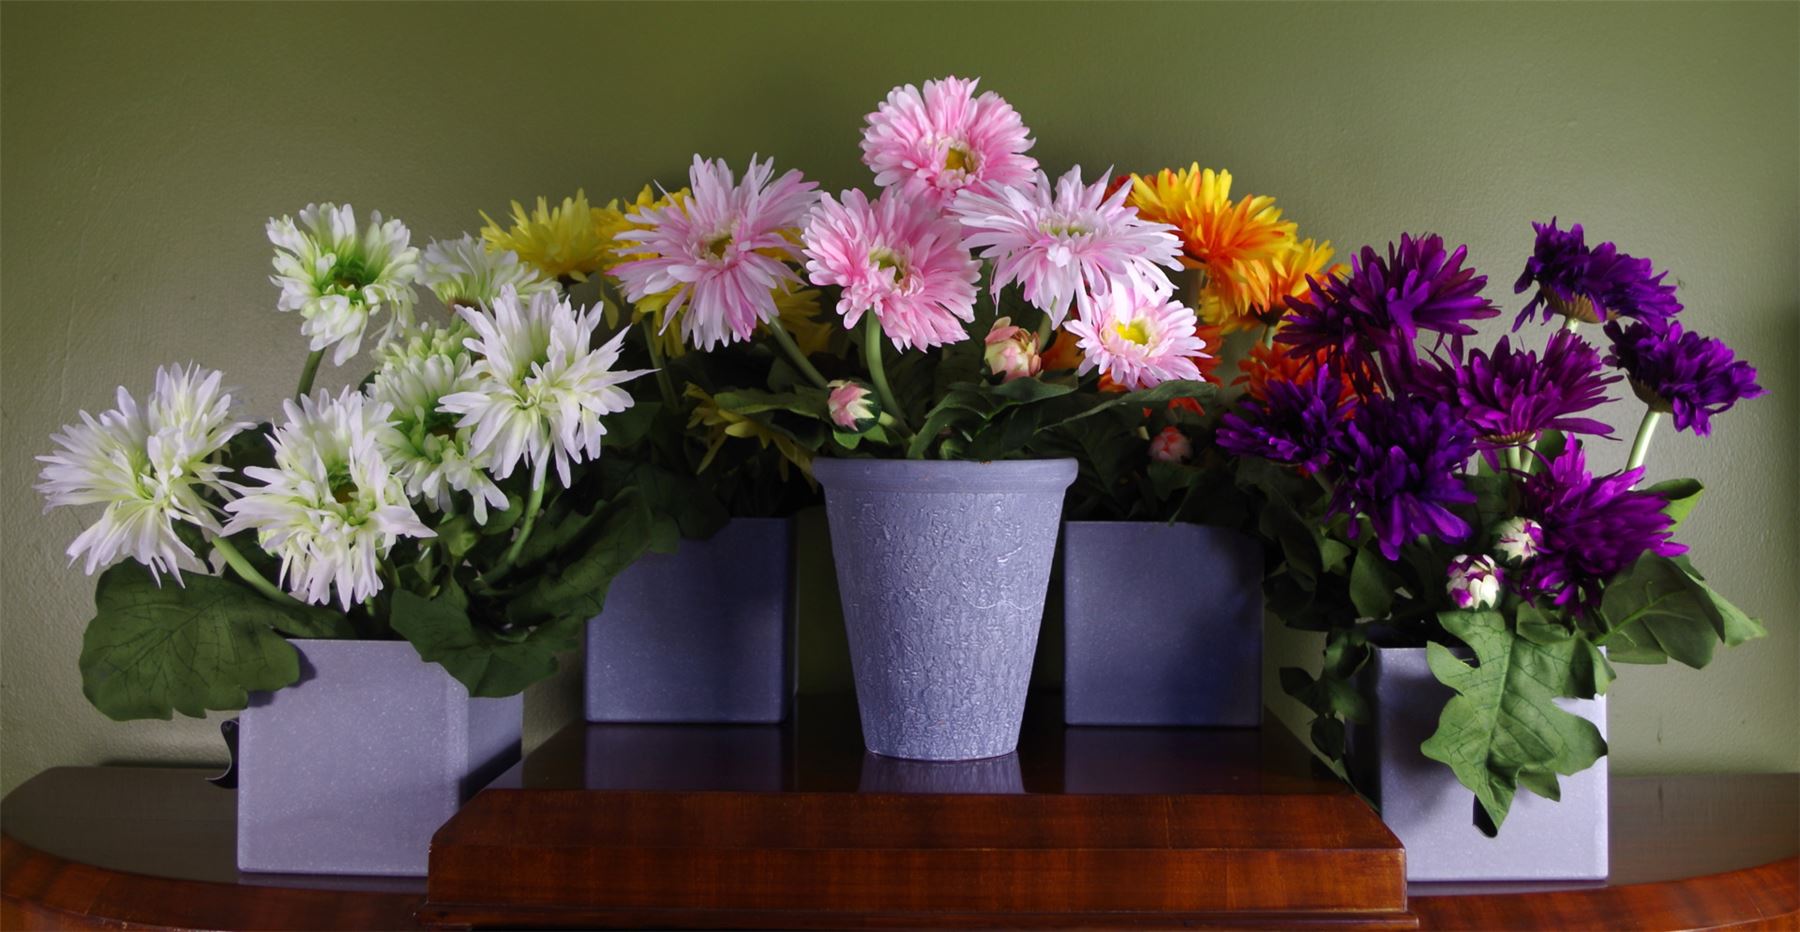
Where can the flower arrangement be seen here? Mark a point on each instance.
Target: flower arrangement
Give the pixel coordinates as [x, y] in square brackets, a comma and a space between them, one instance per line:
[1444, 496]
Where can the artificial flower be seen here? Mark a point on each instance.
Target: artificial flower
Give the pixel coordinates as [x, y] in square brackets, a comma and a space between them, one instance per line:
[464, 272]
[1140, 336]
[1592, 528]
[1473, 581]
[1377, 311]
[565, 243]
[1591, 285]
[338, 279]
[540, 388]
[1681, 372]
[330, 508]
[851, 405]
[935, 142]
[1517, 540]
[723, 424]
[1065, 244]
[898, 258]
[151, 467]
[1511, 397]
[1011, 352]
[422, 443]
[1263, 365]
[1292, 421]
[1396, 462]
[1236, 245]
[1170, 445]
[723, 250]
[1063, 354]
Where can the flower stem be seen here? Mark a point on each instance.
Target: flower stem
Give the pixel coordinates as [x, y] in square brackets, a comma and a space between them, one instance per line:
[1640, 447]
[878, 375]
[1571, 324]
[1268, 337]
[1515, 460]
[308, 372]
[534, 500]
[240, 564]
[794, 355]
[663, 383]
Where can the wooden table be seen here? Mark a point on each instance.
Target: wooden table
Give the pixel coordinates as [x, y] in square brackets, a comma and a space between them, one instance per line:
[107, 847]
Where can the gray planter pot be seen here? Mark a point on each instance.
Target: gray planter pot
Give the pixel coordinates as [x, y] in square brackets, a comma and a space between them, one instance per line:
[1431, 813]
[1162, 625]
[704, 634]
[352, 769]
[943, 567]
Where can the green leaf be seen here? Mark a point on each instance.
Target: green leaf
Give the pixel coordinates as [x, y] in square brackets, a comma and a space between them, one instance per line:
[1371, 584]
[153, 650]
[1503, 720]
[805, 401]
[627, 529]
[1660, 609]
[488, 661]
[1682, 495]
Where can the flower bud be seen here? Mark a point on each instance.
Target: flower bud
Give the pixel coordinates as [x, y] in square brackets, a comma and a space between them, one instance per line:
[1012, 352]
[1517, 540]
[1171, 446]
[1474, 581]
[852, 406]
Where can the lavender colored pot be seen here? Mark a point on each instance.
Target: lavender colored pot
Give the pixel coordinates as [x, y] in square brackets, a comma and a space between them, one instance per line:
[943, 567]
[351, 770]
[1162, 625]
[704, 634]
[1431, 813]
[990, 776]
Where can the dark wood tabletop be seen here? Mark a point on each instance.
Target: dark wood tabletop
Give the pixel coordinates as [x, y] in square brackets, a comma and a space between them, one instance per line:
[112, 847]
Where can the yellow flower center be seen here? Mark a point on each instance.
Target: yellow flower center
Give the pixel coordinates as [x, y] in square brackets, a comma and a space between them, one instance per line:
[959, 159]
[885, 258]
[1134, 332]
[715, 247]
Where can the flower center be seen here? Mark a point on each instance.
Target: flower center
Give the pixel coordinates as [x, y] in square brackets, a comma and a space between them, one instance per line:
[1133, 332]
[959, 159]
[347, 277]
[716, 246]
[885, 258]
[1054, 225]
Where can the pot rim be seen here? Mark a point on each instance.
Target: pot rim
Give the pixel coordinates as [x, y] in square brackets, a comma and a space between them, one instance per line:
[946, 476]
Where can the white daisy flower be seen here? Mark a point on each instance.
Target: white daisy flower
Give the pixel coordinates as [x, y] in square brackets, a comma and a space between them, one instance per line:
[331, 508]
[540, 389]
[338, 279]
[463, 272]
[150, 467]
[423, 445]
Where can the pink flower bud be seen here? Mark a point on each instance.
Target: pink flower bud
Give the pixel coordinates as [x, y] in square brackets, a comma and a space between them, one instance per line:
[1012, 352]
[852, 406]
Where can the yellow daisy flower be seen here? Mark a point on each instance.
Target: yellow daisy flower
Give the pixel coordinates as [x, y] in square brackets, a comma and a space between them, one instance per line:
[563, 242]
[1287, 274]
[1235, 244]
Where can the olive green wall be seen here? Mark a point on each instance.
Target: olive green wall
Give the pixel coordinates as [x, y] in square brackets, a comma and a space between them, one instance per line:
[144, 146]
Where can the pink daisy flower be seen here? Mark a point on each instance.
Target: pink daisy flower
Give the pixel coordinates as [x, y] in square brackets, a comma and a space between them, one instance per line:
[724, 249]
[1064, 245]
[899, 258]
[934, 143]
[1140, 336]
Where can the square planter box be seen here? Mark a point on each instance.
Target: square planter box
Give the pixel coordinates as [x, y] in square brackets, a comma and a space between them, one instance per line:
[1432, 814]
[704, 634]
[1162, 624]
[352, 769]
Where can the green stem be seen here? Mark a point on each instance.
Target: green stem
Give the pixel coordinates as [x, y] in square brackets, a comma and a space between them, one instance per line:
[872, 352]
[1571, 324]
[235, 559]
[794, 355]
[1268, 337]
[1515, 461]
[1640, 447]
[308, 372]
[664, 383]
[533, 501]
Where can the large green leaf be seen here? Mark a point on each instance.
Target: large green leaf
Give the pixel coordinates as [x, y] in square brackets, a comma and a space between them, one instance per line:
[626, 530]
[1681, 495]
[1503, 721]
[489, 661]
[1660, 608]
[153, 650]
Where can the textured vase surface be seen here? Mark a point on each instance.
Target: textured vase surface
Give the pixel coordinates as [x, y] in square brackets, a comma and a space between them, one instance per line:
[943, 567]
[1162, 625]
[704, 634]
[351, 770]
[1432, 814]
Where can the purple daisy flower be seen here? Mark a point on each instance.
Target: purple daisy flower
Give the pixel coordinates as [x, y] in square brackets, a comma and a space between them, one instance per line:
[1378, 310]
[1592, 528]
[1511, 396]
[1692, 376]
[1294, 422]
[1396, 462]
[1591, 285]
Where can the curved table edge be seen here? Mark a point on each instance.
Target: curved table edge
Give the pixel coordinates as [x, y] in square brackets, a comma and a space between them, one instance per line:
[1766, 896]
